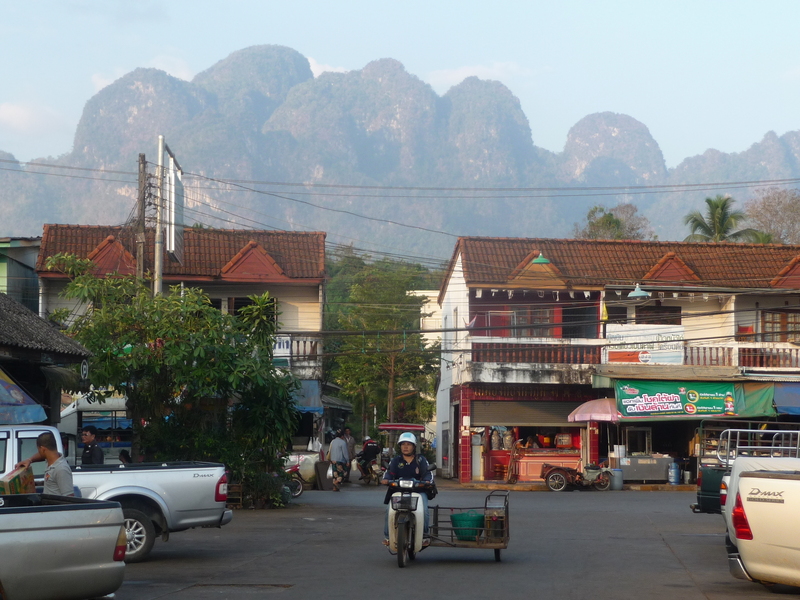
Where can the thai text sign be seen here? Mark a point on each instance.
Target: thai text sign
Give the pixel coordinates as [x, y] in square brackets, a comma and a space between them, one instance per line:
[644, 344]
[691, 400]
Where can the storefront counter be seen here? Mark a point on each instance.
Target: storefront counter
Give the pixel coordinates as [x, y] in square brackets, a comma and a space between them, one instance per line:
[530, 462]
[645, 468]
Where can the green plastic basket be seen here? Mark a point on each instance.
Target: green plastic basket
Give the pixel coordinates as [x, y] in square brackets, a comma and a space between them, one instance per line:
[467, 526]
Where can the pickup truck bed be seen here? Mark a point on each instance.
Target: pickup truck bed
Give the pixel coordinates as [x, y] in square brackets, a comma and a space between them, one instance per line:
[157, 498]
[765, 523]
[57, 548]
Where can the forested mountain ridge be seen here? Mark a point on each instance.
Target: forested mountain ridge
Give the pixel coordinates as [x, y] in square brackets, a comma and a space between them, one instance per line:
[260, 115]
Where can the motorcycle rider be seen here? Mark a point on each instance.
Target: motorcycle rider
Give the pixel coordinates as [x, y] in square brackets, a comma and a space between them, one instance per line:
[407, 465]
[369, 451]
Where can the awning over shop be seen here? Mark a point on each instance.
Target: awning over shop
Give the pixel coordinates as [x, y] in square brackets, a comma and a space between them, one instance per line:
[787, 398]
[337, 403]
[401, 427]
[63, 378]
[309, 397]
[17, 407]
[602, 409]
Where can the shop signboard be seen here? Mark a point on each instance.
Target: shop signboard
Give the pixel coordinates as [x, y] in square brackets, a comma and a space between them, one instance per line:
[674, 400]
[644, 344]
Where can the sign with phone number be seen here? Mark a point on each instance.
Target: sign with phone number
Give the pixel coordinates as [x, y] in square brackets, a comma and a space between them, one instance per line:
[693, 400]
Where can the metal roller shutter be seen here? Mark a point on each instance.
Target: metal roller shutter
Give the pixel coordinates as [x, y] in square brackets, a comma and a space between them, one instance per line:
[553, 414]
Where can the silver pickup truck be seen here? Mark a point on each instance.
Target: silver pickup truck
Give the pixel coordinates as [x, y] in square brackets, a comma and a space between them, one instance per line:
[39, 535]
[156, 498]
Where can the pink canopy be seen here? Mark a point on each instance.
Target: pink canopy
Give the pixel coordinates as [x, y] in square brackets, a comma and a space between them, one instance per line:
[602, 409]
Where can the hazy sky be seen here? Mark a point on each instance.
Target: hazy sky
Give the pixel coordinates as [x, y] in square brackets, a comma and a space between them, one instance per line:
[699, 75]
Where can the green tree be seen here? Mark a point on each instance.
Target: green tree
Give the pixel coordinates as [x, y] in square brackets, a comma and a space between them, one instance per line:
[200, 384]
[718, 224]
[619, 223]
[384, 362]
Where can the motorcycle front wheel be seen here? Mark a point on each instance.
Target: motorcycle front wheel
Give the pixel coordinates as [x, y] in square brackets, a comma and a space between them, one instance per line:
[603, 482]
[402, 544]
[295, 487]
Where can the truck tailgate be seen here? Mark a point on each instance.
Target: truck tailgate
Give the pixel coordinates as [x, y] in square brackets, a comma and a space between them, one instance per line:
[771, 503]
[62, 550]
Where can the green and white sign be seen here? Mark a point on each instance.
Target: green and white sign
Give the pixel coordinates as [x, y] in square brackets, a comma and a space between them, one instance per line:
[674, 399]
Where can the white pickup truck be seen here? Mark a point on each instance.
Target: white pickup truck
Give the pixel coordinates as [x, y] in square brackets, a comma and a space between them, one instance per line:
[39, 535]
[762, 508]
[156, 498]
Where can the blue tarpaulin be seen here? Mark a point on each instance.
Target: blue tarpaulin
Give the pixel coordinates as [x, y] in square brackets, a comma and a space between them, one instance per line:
[787, 398]
[309, 397]
[17, 407]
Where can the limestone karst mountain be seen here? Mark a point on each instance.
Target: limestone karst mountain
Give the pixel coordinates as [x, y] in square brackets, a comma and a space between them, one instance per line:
[260, 115]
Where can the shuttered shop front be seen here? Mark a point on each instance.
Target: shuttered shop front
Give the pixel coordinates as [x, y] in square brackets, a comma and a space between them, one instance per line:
[530, 414]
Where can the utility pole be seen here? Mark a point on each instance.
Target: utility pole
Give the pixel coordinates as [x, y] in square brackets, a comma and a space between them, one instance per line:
[158, 262]
[140, 233]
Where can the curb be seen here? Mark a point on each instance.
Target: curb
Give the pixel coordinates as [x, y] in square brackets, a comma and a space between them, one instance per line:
[541, 487]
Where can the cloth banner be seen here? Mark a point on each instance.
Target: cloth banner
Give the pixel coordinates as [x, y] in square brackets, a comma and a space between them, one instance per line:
[755, 400]
[655, 400]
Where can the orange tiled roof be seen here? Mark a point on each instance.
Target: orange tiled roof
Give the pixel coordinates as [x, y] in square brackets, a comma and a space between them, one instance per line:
[599, 263]
[300, 255]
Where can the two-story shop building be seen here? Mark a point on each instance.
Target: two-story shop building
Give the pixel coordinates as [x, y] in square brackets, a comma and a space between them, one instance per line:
[654, 337]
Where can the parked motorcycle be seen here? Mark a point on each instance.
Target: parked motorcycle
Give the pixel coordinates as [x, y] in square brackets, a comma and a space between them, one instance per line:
[296, 480]
[407, 518]
[560, 478]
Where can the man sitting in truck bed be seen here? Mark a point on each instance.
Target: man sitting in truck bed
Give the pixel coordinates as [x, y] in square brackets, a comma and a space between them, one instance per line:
[57, 475]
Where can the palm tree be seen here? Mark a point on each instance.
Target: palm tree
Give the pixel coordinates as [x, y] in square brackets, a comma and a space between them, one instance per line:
[718, 224]
[762, 237]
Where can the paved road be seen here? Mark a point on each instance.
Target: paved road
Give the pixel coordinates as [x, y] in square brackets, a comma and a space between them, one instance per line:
[582, 544]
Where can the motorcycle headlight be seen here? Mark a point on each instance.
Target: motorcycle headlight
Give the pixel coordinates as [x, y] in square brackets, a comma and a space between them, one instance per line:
[406, 483]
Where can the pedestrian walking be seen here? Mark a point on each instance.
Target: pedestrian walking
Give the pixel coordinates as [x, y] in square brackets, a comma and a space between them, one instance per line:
[351, 451]
[339, 458]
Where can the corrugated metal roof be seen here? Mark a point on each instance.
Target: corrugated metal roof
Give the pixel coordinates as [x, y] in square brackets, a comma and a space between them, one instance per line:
[23, 329]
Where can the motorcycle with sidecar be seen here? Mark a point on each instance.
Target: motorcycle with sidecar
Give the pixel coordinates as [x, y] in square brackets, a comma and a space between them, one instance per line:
[559, 478]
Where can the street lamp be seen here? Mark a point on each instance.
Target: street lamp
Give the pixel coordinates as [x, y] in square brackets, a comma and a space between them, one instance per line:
[638, 294]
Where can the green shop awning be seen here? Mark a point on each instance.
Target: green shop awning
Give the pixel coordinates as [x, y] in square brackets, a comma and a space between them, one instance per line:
[645, 400]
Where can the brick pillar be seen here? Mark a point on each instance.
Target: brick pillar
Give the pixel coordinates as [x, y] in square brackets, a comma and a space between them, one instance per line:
[464, 445]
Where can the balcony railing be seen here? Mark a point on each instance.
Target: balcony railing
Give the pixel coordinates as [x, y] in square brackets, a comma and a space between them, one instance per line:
[532, 353]
[754, 356]
[708, 356]
[297, 348]
[769, 358]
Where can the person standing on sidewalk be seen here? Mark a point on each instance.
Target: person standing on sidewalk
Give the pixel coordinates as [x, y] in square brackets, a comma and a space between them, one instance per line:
[339, 458]
[351, 451]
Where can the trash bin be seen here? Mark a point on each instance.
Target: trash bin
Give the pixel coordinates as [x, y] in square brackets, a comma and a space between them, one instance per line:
[616, 479]
[321, 480]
